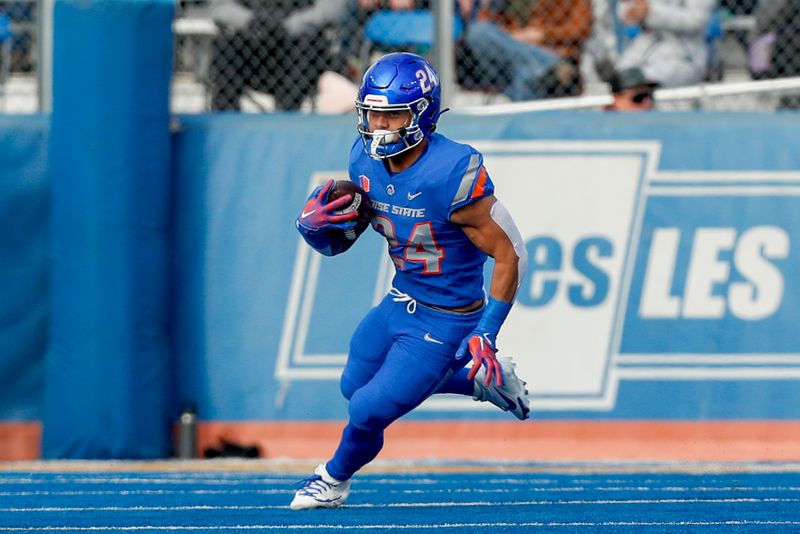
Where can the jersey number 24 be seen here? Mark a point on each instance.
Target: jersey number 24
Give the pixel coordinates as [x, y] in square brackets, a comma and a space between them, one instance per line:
[421, 246]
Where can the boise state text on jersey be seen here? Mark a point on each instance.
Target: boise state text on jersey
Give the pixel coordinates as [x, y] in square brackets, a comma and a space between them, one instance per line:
[434, 260]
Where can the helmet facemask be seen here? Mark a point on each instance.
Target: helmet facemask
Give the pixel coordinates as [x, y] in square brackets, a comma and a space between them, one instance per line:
[381, 144]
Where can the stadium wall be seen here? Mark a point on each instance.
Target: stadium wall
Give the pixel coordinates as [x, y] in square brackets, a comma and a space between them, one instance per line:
[660, 299]
[661, 291]
[662, 265]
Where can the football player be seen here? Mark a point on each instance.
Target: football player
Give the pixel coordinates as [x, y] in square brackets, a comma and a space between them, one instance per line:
[434, 203]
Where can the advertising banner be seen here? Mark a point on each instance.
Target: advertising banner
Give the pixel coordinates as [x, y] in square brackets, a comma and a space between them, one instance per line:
[662, 279]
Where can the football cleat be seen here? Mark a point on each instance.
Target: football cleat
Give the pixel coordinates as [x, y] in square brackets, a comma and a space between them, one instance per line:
[512, 396]
[320, 490]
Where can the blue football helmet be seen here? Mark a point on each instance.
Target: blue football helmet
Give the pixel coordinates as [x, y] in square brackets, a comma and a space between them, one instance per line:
[405, 82]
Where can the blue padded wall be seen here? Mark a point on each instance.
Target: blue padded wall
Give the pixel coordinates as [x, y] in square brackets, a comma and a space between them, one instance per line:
[23, 265]
[108, 377]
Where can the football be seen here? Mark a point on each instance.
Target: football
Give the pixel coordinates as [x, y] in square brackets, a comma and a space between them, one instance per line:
[359, 203]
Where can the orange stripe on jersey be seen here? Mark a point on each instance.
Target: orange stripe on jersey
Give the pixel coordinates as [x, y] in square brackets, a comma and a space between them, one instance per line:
[480, 183]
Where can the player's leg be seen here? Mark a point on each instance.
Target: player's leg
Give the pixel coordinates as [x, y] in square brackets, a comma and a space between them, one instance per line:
[369, 344]
[368, 347]
[419, 361]
[409, 375]
[512, 396]
[462, 324]
[458, 382]
[406, 378]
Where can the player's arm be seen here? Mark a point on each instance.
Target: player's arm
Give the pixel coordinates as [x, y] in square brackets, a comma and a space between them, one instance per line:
[488, 224]
[320, 227]
[486, 234]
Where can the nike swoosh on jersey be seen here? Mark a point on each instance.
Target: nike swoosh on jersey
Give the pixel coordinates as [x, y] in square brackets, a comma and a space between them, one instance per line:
[306, 214]
[415, 195]
[427, 337]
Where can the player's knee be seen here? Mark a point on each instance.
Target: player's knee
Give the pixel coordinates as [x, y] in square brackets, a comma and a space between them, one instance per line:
[347, 386]
[369, 415]
[355, 375]
[361, 416]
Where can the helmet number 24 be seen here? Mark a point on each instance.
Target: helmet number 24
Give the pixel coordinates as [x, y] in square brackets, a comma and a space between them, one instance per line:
[426, 78]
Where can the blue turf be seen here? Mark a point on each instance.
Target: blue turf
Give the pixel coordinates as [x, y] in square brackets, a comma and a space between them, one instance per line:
[493, 500]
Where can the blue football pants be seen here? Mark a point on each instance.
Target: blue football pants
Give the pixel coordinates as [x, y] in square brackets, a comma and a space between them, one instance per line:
[397, 360]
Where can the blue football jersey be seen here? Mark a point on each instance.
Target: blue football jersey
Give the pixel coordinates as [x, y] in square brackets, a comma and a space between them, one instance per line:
[435, 262]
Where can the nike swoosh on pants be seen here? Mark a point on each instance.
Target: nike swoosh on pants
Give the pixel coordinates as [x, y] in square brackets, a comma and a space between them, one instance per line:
[427, 337]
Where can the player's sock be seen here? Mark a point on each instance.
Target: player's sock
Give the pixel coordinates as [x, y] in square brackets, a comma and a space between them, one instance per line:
[356, 449]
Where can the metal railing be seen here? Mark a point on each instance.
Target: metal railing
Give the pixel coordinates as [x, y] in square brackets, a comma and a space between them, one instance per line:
[762, 95]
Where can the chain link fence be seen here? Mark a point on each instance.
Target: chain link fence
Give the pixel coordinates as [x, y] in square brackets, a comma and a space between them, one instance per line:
[263, 55]
[19, 56]
[309, 55]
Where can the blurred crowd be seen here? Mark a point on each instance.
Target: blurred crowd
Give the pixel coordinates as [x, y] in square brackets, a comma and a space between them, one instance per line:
[523, 49]
[301, 51]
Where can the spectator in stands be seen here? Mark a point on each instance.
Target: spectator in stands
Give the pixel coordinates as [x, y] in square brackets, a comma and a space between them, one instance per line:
[760, 49]
[670, 46]
[356, 15]
[529, 53]
[601, 50]
[632, 91]
[779, 54]
[257, 49]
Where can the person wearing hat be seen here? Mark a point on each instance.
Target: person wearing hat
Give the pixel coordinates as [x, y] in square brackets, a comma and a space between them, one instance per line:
[632, 90]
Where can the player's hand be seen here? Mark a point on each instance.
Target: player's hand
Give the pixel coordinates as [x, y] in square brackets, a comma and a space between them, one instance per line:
[482, 349]
[318, 213]
[529, 35]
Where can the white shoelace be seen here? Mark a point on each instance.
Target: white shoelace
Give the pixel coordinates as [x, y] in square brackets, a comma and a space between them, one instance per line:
[399, 296]
[314, 485]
